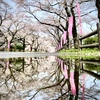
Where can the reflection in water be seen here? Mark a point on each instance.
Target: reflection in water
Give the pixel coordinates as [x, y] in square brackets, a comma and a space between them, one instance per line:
[48, 78]
[83, 86]
[72, 83]
[7, 70]
[65, 72]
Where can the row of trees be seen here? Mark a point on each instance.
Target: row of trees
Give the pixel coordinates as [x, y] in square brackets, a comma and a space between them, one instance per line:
[18, 30]
[31, 17]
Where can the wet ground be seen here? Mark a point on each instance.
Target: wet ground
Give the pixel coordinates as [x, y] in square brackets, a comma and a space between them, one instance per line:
[36, 76]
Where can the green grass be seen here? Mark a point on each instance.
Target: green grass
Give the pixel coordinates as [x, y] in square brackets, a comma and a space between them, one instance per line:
[92, 67]
[76, 53]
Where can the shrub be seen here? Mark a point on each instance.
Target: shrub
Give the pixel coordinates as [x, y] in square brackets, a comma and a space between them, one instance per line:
[91, 40]
[19, 47]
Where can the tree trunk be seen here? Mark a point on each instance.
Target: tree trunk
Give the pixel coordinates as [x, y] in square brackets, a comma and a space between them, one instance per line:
[74, 31]
[98, 8]
[75, 39]
[23, 45]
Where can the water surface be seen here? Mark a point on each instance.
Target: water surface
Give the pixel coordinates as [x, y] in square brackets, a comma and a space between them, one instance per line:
[34, 76]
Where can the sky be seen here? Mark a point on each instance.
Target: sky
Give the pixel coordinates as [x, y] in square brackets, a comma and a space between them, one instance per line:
[10, 2]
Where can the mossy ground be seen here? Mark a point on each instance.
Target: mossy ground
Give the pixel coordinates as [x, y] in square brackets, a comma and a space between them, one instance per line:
[76, 53]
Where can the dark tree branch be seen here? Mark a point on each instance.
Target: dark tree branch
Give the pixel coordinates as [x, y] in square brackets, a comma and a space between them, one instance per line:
[44, 22]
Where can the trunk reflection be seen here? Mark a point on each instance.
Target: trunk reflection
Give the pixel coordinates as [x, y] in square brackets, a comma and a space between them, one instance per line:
[47, 78]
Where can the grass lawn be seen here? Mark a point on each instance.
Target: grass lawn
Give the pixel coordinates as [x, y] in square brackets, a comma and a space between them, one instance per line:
[76, 53]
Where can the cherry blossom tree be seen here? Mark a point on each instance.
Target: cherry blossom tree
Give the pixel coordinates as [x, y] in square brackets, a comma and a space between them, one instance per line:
[55, 14]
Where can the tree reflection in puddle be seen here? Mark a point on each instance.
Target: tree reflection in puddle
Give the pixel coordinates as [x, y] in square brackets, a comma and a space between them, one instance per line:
[48, 78]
